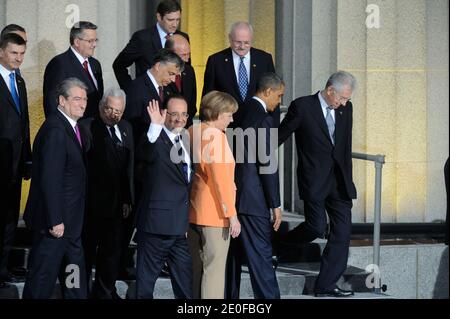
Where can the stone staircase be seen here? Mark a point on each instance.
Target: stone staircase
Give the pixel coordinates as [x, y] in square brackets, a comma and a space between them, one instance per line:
[297, 270]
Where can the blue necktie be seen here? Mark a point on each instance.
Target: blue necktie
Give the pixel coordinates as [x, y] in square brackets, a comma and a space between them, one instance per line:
[181, 154]
[243, 79]
[330, 124]
[15, 96]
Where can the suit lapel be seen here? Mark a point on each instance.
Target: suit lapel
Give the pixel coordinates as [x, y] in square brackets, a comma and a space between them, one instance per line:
[81, 72]
[70, 131]
[253, 67]
[22, 94]
[168, 144]
[229, 68]
[156, 40]
[318, 116]
[151, 90]
[4, 88]
[339, 120]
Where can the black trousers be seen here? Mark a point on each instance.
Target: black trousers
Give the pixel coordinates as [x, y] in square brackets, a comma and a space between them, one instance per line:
[103, 244]
[338, 206]
[9, 215]
[152, 252]
[254, 247]
[53, 258]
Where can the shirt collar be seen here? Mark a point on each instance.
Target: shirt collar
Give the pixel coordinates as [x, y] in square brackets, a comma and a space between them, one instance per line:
[5, 72]
[172, 136]
[162, 33]
[237, 57]
[153, 80]
[78, 55]
[262, 103]
[71, 121]
[323, 103]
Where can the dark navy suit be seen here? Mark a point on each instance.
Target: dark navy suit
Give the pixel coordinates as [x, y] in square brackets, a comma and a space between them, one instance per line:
[162, 220]
[15, 159]
[66, 65]
[143, 46]
[324, 176]
[257, 192]
[220, 75]
[57, 195]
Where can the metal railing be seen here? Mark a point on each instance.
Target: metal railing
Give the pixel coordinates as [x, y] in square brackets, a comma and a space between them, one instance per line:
[378, 159]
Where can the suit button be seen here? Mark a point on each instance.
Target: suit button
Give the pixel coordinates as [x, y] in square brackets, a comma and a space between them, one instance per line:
[186, 202]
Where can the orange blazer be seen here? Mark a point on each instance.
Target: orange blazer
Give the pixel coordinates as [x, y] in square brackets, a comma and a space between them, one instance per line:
[213, 193]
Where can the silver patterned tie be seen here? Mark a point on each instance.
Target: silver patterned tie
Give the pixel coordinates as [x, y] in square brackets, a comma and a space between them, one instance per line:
[330, 124]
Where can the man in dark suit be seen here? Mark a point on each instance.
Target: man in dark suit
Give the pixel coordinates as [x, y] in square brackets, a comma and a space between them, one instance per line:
[152, 85]
[185, 83]
[110, 192]
[145, 44]
[15, 149]
[323, 133]
[56, 203]
[258, 192]
[77, 62]
[237, 69]
[162, 215]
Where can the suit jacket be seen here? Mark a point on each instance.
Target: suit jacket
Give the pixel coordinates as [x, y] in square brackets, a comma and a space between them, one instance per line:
[213, 185]
[139, 94]
[257, 181]
[58, 185]
[141, 49]
[15, 148]
[188, 91]
[164, 207]
[110, 185]
[66, 65]
[220, 75]
[317, 157]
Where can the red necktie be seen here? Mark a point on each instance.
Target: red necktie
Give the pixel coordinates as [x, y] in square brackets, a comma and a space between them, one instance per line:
[178, 82]
[86, 69]
[161, 93]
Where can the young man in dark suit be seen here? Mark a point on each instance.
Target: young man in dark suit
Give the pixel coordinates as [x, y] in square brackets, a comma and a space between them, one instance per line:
[237, 69]
[162, 215]
[15, 149]
[77, 62]
[110, 157]
[56, 203]
[322, 124]
[258, 192]
[145, 44]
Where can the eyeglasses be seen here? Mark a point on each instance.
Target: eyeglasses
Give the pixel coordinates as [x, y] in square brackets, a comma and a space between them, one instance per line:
[178, 115]
[110, 110]
[342, 99]
[92, 41]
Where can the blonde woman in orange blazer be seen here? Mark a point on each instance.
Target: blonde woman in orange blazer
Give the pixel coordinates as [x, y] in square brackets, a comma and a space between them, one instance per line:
[212, 214]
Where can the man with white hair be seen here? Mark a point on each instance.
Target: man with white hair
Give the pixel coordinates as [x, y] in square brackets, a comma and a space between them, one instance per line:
[322, 124]
[237, 69]
[110, 157]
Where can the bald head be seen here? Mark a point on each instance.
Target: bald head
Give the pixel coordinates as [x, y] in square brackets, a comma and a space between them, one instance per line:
[180, 45]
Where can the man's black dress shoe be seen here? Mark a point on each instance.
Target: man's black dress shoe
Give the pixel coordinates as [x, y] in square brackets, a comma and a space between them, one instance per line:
[335, 292]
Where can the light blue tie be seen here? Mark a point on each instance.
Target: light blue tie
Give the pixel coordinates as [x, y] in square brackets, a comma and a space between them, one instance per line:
[15, 96]
[330, 124]
[243, 79]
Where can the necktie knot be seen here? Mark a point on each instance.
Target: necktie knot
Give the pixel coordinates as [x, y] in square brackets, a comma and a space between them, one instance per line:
[12, 76]
[114, 136]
